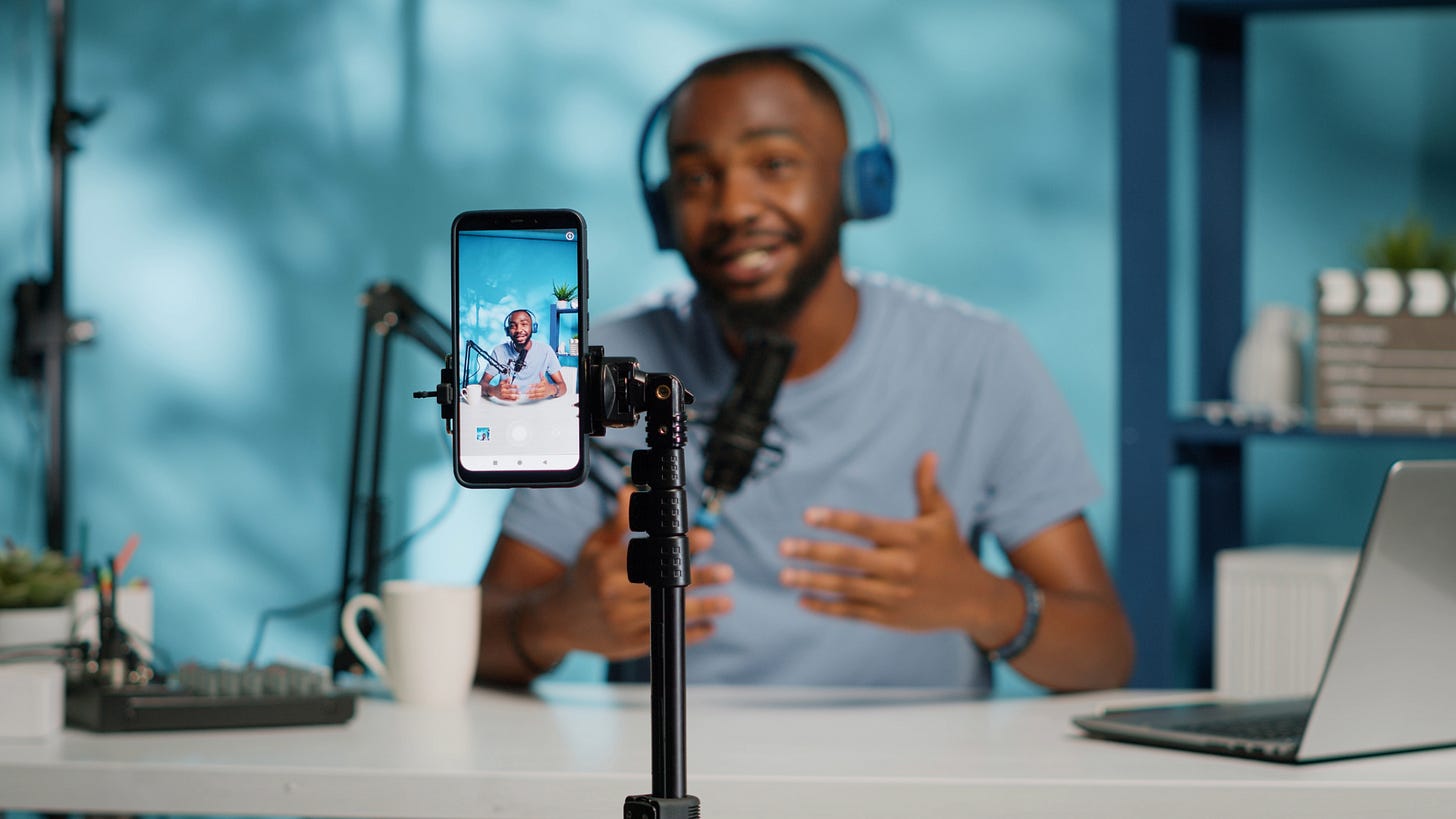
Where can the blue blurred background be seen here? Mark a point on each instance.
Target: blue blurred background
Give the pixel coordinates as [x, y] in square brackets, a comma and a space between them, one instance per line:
[259, 164]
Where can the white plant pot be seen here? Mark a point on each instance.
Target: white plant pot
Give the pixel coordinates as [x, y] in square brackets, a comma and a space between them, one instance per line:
[42, 626]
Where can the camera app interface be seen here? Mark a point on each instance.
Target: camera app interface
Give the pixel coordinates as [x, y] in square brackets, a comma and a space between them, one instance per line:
[518, 350]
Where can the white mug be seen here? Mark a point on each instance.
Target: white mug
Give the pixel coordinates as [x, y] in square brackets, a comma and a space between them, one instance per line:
[431, 637]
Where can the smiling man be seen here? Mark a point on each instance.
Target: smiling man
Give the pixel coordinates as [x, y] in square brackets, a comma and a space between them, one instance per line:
[909, 426]
[528, 371]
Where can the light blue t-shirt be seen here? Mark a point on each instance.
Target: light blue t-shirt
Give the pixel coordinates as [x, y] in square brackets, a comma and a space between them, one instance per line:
[920, 372]
[540, 361]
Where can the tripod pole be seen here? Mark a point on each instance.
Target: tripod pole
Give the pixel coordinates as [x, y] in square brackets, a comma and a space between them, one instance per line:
[660, 560]
[669, 726]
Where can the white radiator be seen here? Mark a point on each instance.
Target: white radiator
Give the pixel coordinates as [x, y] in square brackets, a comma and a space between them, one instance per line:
[1275, 612]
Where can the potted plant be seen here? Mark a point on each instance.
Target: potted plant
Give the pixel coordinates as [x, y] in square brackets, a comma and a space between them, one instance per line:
[564, 294]
[35, 593]
[1411, 245]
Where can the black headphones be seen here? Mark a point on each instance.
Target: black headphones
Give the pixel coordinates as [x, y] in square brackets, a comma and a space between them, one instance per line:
[506, 325]
[867, 179]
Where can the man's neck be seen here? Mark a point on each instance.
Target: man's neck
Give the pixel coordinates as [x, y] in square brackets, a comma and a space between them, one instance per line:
[822, 328]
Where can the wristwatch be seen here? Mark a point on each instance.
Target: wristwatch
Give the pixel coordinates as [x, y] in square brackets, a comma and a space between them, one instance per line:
[1029, 621]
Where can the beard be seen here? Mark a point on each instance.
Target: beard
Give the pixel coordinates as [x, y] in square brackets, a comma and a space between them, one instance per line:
[740, 317]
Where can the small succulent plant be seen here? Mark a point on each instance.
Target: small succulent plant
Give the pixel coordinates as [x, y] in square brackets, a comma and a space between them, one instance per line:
[28, 580]
[1411, 245]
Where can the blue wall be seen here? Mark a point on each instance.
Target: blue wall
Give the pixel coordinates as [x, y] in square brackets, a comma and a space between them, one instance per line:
[260, 164]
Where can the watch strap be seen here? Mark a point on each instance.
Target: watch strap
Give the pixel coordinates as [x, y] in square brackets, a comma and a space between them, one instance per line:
[1029, 621]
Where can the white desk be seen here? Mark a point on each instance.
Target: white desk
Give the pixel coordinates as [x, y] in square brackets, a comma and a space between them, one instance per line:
[578, 751]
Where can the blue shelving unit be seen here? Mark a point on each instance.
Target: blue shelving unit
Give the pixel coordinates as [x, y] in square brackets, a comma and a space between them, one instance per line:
[1153, 441]
[570, 315]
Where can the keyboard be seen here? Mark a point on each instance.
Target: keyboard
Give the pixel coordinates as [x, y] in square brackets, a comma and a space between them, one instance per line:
[202, 697]
[1264, 729]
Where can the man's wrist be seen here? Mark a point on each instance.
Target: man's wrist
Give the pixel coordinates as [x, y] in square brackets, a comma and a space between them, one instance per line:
[1033, 598]
[528, 650]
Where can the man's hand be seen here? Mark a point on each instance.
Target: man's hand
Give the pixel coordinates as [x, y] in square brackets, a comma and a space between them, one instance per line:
[918, 574]
[610, 615]
[506, 391]
[545, 388]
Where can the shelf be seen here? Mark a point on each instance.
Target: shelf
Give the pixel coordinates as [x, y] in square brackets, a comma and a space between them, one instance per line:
[1152, 443]
[1195, 432]
[1246, 8]
[558, 313]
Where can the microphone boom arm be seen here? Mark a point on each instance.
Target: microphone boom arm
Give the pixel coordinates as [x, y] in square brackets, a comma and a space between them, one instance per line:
[388, 309]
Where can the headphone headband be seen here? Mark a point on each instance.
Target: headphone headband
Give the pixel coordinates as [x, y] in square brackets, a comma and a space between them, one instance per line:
[506, 325]
[867, 179]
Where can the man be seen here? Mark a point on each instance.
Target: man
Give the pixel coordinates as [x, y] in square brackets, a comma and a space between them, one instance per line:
[907, 423]
[525, 362]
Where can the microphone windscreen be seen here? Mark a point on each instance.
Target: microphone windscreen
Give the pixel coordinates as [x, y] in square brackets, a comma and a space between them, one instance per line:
[737, 432]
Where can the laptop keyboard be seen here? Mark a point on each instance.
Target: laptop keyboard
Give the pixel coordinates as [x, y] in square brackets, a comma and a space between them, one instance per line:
[1269, 729]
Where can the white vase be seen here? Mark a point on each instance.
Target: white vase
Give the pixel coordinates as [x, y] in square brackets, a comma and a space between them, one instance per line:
[1268, 374]
[38, 626]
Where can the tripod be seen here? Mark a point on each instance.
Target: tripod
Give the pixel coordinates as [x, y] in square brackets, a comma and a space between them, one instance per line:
[615, 392]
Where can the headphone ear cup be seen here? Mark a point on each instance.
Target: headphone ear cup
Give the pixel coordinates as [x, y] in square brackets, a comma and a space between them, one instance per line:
[867, 180]
[656, 201]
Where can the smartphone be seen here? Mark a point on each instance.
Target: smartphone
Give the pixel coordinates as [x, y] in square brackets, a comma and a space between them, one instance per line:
[518, 281]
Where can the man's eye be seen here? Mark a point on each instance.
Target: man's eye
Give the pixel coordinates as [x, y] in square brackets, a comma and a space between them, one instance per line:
[692, 180]
[777, 164]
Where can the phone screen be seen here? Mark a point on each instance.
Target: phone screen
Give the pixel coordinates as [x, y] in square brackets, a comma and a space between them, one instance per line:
[519, 283]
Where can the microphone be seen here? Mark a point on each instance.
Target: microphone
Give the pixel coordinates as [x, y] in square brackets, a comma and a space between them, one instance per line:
[737, 432]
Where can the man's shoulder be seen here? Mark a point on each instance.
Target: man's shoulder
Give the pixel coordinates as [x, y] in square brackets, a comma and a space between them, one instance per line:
[930, 308]
[663, 312]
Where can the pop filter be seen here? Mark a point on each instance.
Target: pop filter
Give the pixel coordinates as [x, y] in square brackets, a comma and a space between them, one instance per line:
[737, 432]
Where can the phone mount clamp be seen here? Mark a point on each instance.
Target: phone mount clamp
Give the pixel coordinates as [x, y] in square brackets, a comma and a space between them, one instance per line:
[615, 393]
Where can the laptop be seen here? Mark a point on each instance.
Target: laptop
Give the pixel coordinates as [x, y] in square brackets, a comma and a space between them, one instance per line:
[1388, 680]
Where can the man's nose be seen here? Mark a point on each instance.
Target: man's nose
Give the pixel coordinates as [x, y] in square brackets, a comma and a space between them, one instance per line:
[739, 196]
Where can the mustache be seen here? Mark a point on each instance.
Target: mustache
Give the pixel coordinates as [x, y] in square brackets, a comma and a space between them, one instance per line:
[731, 236]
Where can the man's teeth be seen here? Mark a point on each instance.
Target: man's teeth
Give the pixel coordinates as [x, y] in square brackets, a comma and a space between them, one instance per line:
[754, 259]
